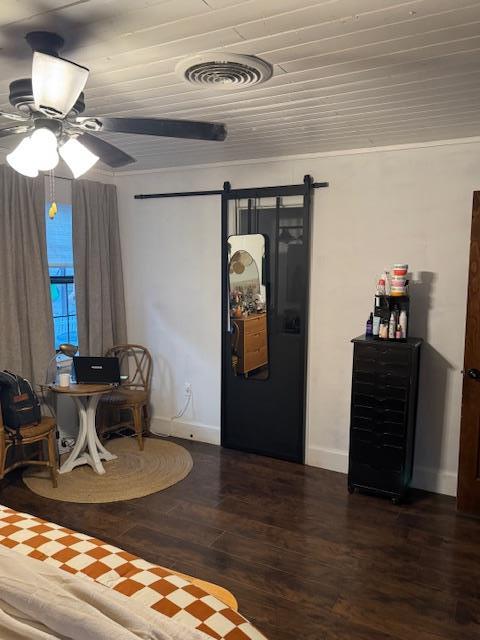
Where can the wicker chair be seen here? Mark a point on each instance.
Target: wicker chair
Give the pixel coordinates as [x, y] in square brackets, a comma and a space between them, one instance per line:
[133, 395]
[44, 431]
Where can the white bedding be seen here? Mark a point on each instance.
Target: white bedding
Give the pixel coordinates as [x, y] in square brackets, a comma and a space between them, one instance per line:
[41, 602]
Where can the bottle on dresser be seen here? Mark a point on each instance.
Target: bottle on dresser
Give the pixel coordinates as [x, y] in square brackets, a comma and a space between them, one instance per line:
[369, 326]
[383, 332]
[392, 325]
[402, 321]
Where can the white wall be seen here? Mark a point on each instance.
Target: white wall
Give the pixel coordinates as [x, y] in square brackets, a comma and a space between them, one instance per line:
[171, 256]
[409, 204]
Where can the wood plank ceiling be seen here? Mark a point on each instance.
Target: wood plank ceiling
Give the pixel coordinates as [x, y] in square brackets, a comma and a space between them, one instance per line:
[347, 73]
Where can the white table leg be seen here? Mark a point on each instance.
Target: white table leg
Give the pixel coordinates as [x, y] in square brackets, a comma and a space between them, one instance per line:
[103, 453]
[77, 455]
[88, 449]
[91, 434]
[93, 440]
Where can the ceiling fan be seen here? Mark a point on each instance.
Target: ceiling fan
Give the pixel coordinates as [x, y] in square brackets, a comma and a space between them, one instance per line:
[49, 105]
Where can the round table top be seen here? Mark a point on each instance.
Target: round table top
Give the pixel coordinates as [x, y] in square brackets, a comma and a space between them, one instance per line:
[82, 389]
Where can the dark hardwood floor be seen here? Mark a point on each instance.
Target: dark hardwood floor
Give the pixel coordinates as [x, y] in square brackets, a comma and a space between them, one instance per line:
[304, 558]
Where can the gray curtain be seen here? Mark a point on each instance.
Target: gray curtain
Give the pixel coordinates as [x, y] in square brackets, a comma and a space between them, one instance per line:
[26, 325]
[98, 267]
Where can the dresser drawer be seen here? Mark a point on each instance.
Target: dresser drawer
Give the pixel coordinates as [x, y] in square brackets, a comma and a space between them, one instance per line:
[390, 415]
[393, 376]
[255, 341]
[400, 370]
[392, 430]
[380, 387]
[255, 324]
[365, 351]
[255, 359]
[366, 388]
[385, 403]
[380, 402]
[364, 400]
[394, 440]
[370, 448]
[391, 391]
[364, 412]
[362, 422]
[364, 377]
[363, 417]
[395, 425]
[383, 480]
[365, 365]
[393, 355]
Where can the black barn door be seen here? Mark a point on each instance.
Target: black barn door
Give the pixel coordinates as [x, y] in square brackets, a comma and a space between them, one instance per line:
[265, 280]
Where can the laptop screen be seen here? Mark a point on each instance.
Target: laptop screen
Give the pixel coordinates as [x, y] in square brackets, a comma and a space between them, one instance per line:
[96, 370]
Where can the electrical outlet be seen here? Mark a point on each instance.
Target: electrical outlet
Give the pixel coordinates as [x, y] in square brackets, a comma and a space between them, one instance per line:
[188, 389]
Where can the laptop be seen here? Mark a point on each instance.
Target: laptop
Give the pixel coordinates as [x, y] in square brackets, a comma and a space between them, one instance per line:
[96, 370]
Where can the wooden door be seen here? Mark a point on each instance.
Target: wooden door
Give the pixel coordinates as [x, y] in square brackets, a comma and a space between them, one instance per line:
[468, 494]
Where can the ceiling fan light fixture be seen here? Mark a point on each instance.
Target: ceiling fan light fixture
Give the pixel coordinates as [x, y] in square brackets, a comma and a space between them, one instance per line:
[78, 158]
[43, 146]
[56, 83]
[21, 159]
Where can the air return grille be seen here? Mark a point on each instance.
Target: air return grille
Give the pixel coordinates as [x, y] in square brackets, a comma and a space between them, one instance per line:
[223, 70]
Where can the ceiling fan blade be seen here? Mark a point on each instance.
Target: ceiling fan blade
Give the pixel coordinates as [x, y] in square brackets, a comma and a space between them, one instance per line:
[56, 83]
[14, 116]
[10, 131]
[109, 154]
[159, 127]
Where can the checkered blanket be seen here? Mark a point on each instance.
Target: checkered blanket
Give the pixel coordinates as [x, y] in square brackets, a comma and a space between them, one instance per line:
[152, 585]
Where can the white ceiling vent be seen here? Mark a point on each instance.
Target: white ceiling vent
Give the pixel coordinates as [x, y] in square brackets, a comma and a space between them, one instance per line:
[224, 70]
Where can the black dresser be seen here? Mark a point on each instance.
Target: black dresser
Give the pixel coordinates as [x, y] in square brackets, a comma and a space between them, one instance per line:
[383, 414]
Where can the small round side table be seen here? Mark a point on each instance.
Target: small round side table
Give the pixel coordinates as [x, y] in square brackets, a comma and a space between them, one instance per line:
[88, 449]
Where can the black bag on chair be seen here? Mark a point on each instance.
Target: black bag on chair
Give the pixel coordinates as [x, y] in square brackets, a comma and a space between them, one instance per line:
[20, 403]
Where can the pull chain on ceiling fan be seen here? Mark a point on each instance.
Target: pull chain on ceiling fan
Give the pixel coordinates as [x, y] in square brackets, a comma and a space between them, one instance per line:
[49, 105]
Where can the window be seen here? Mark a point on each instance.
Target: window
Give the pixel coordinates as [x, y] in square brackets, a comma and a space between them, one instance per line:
[60, 268]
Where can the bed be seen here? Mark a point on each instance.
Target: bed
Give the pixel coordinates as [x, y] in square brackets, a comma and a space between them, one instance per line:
[190, 602]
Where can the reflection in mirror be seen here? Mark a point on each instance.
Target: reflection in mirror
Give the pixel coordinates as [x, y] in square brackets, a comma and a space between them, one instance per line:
[248, 305]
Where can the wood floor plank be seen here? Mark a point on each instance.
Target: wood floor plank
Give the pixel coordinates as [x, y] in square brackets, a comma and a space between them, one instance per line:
[145, 541]
[170, 524]
[304, 558]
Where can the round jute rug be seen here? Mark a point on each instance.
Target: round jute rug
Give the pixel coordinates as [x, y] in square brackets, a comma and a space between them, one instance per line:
[133, 474]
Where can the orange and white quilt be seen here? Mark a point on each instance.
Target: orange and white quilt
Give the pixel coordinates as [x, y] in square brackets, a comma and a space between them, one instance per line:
[149, 584]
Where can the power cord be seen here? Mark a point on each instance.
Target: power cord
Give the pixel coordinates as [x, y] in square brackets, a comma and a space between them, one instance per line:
[180, 414]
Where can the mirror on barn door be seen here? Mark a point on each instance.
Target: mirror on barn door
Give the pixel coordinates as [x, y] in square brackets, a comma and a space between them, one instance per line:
[248, 305]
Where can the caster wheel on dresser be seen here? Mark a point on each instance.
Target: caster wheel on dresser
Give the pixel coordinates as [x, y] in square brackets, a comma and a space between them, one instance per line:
[396, 501]
[351, 489]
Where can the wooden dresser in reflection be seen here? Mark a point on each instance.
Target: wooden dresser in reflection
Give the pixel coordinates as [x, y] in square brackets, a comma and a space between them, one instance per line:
[251, 343]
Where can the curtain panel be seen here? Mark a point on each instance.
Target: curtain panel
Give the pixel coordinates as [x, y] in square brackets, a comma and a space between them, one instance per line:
[98, 267]
[26, 325]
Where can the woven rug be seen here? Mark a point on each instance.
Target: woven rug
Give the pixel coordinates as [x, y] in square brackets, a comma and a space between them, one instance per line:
[133, 474]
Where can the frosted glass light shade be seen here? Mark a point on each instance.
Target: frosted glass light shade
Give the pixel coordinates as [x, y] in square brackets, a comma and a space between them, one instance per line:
[21, 159]
[56, 82]
[44, 149]
[77, 156]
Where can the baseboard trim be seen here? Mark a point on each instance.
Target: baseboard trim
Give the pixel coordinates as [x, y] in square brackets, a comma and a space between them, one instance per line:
[187, 430]
[434, 480]
[331, 459]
